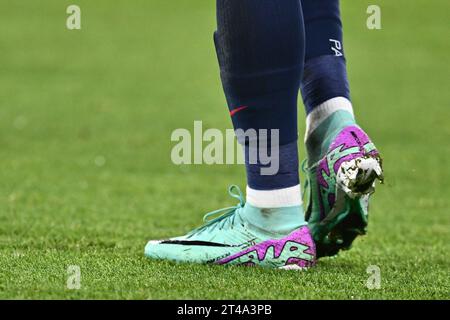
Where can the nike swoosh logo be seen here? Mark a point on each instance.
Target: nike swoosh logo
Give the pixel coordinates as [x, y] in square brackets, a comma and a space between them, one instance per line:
[206, 243]
[234, 111]
[195, 243]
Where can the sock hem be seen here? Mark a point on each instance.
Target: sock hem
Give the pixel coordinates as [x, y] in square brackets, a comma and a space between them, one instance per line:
[278, 198]
[324, 110]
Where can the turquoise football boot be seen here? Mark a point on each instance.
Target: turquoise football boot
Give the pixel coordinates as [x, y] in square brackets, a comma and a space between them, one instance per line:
[342, 169]
[243, 235]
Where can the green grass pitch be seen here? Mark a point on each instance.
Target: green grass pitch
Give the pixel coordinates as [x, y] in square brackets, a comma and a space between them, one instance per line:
[86, 177]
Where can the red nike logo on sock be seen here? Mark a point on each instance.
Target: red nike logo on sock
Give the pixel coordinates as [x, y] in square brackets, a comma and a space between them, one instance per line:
[234, 111]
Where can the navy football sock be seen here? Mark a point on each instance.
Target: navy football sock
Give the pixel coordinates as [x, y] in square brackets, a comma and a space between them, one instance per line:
[260, 48]
[325, 74]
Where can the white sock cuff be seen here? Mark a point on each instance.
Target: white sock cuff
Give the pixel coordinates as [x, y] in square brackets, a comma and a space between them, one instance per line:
[279, 198]
[322, 111]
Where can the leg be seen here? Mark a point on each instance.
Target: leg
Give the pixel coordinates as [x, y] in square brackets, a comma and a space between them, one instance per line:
[343, 163]
[260, 48]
